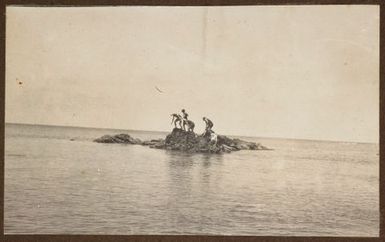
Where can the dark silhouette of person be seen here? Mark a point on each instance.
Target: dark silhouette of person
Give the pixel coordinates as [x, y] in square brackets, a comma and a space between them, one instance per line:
[209, 125]
[184, 119]
[190, 126]
[176, 118]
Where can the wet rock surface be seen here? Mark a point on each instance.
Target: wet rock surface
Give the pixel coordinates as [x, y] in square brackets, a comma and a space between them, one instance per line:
[187, 141]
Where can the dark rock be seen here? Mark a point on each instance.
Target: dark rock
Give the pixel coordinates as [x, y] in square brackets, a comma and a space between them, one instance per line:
[228, 149]
[119, 138]
[187, 141]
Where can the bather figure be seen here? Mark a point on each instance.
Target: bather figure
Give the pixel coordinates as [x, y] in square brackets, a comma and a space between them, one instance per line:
[209, 126]
[184, 119]
[176, 118]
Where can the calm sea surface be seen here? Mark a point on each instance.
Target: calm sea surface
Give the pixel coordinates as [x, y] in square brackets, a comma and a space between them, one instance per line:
[302, 188]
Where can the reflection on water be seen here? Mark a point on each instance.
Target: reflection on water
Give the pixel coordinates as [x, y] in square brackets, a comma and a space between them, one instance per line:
[302, 188]
[190, 176]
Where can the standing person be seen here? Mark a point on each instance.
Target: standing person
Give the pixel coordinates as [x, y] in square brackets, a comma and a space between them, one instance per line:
[184, 119]
[209, 125]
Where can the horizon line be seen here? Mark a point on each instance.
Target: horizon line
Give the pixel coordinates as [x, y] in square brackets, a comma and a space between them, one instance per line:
[161, 131]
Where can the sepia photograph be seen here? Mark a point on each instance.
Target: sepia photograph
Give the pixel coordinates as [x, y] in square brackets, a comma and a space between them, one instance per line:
[192, 120]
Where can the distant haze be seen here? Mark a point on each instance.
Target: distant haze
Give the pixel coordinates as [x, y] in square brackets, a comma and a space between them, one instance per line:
[276, 71]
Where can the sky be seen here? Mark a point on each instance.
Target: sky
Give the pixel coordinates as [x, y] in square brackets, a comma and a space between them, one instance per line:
[307, 72]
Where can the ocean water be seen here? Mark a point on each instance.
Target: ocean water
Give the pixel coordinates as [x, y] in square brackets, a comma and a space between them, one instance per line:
[58, 181]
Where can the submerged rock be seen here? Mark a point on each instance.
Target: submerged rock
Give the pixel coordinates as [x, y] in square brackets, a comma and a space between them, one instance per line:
[187, 141]
[119, 138]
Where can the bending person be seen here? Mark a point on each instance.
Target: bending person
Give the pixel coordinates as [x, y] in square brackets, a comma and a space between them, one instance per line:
[176, 118]
[209, 125]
